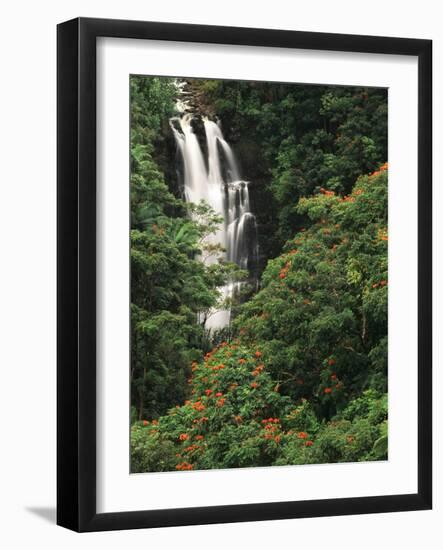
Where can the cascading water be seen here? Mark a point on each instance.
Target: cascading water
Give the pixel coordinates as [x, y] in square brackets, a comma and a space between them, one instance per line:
[218, 183]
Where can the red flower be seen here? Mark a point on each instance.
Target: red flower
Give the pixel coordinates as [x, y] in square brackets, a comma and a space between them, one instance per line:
[309, 443]
[145, 422]
[208, 392]
[333, 376]
[218, 394]
[331, 361]
[277, 438]
[183, 437]
[327, 390]
[258, 354]
[254, 385]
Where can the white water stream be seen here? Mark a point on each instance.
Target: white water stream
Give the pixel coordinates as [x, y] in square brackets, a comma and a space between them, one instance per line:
[218, 183]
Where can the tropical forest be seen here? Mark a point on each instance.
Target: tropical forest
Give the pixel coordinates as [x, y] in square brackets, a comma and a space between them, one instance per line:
[259, 274]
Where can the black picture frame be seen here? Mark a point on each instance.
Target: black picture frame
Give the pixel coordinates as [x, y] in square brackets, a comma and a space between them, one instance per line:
[76, 280]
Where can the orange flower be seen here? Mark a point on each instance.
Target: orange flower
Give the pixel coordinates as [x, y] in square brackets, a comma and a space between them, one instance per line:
[221, 402]
[183, 437]
[238, 418]
[254, 385]
[383, 234]
[350, 438]
[154, 422]
[184, 466]
[277, 438]
[242, 361]
[199, 437]
[145, 422]
[258, 354]
[326, 192]
[302, 435]
[327, 390]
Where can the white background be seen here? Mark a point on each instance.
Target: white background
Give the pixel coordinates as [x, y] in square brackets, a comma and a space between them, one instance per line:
[117, 490]
[27, 218]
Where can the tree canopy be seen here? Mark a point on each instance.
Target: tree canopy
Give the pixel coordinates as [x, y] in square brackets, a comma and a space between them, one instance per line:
[301, 375]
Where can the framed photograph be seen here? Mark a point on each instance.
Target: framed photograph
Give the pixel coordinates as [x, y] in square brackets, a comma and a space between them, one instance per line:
[244, 274]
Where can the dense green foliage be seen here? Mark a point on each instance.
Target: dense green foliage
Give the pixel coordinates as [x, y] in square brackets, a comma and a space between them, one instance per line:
[322, 312]
[169, 286]
[294, 139]
[237, 417]
[302, 377]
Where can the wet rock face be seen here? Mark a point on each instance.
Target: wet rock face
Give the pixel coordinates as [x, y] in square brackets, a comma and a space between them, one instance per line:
[195, 99]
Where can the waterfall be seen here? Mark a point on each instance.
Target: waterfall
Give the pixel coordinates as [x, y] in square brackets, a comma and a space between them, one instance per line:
[217, 182]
